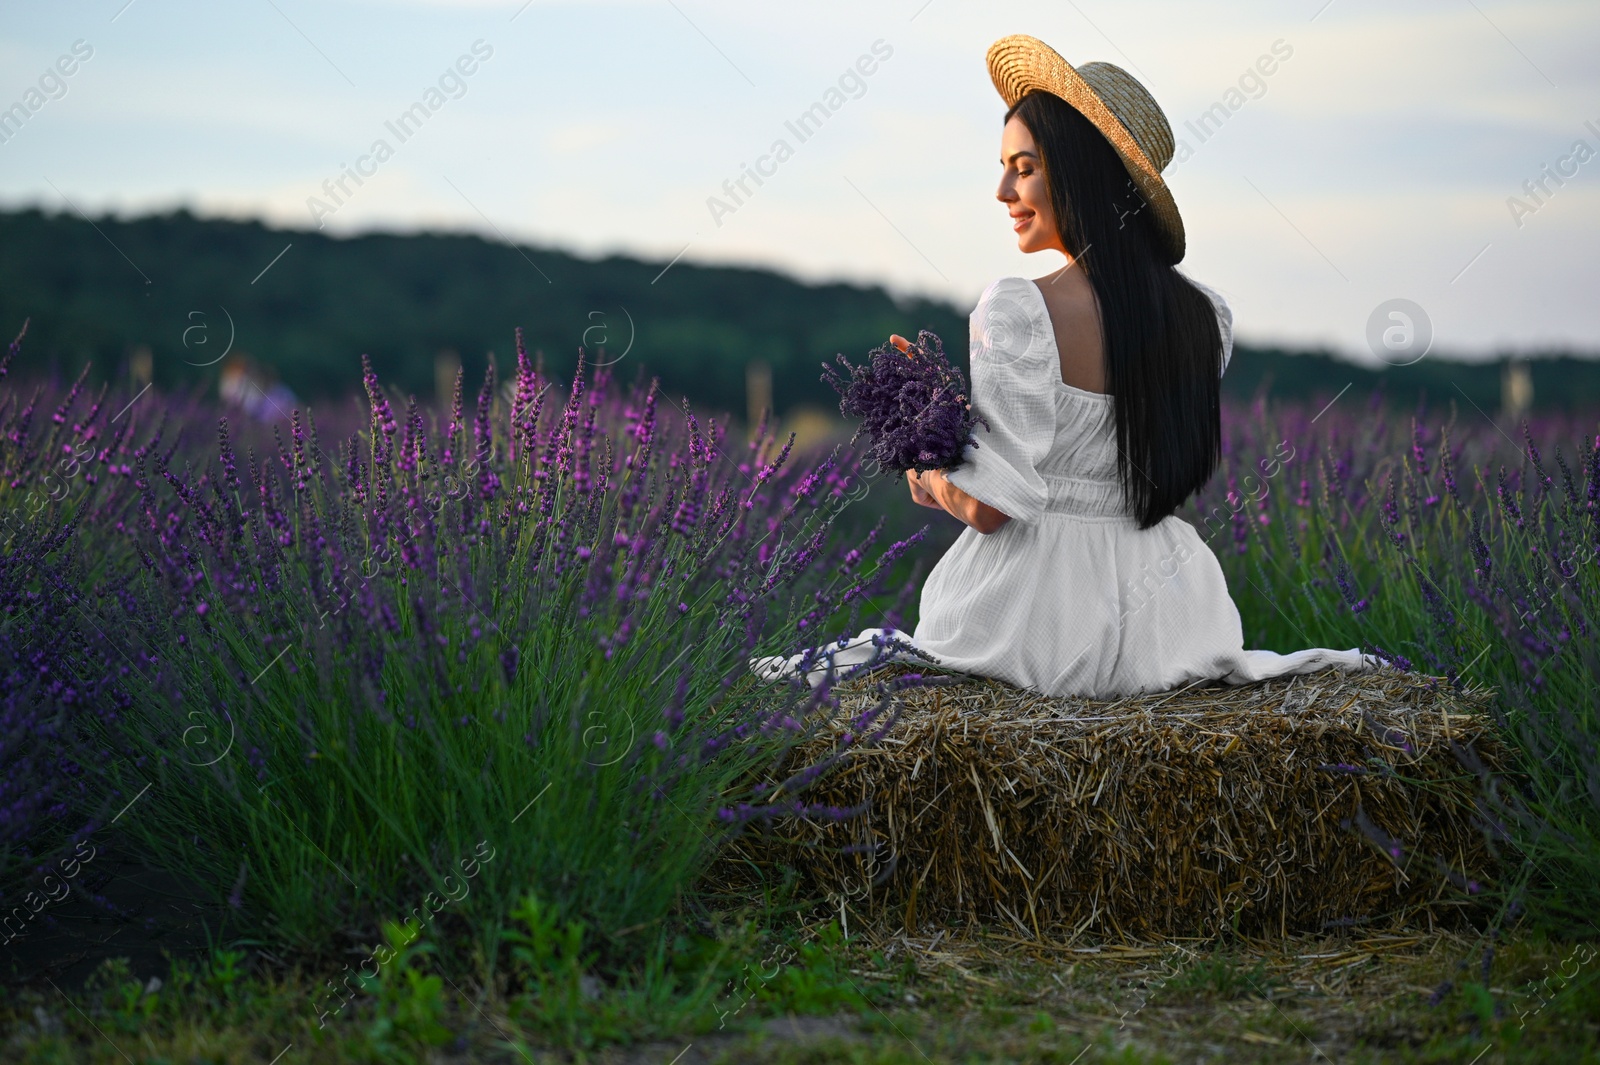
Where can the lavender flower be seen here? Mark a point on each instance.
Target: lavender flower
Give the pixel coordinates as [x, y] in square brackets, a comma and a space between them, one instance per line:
[12, 349]
[913, 406]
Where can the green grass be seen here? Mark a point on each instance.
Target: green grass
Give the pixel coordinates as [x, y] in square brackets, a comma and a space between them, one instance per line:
[838, 1001]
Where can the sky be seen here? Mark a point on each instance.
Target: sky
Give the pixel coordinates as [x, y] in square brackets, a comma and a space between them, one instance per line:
[1417, 150]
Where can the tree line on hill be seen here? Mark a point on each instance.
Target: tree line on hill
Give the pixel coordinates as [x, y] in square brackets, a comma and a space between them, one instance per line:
[176, 291]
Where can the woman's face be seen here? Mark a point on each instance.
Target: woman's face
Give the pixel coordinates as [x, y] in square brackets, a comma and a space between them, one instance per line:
[1023, 191]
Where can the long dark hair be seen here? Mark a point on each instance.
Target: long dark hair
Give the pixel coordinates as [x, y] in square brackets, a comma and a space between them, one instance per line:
[1162, 340]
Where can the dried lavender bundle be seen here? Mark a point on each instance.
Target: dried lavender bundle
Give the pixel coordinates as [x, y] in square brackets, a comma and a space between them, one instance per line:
[913, 406]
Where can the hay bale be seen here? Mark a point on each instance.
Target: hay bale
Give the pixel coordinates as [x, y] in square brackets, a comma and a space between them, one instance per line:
[1160, 815]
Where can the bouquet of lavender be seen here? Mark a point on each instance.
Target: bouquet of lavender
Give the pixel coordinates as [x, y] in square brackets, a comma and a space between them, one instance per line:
[912, 404]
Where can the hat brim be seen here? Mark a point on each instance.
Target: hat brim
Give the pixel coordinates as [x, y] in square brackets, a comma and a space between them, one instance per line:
[1020, 64]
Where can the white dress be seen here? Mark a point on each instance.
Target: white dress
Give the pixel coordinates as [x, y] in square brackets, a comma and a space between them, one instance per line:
[1069, 597]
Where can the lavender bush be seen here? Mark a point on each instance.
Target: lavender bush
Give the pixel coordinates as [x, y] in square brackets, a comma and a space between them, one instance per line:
[46, 696]
[912, 404]
[57, 676]
[1447, 546]
[520, 632]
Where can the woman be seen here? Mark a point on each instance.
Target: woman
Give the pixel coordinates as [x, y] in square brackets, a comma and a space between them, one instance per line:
[1099, 384]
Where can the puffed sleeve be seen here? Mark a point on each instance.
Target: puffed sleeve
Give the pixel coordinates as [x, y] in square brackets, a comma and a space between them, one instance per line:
[1013, 366]
[1224, 320]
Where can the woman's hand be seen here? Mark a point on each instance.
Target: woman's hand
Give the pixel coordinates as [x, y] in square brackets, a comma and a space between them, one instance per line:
[933, 489]
[919, 492]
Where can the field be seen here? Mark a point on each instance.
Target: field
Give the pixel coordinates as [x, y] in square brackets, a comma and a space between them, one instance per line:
[389, 733]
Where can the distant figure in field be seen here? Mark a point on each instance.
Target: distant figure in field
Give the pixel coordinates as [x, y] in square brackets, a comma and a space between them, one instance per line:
[258, 393]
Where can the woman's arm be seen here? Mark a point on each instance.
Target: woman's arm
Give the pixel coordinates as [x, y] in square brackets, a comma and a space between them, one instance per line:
[948, 497]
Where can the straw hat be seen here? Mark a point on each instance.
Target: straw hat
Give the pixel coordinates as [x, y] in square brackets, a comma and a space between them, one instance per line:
[1108, 96]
